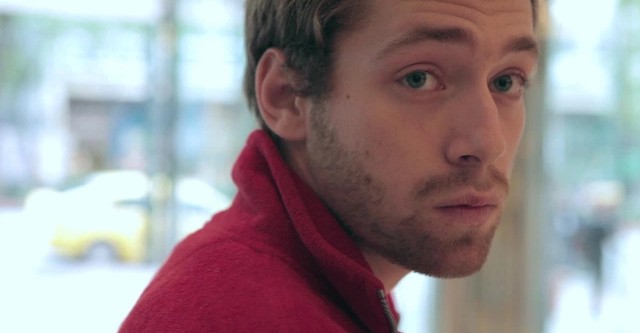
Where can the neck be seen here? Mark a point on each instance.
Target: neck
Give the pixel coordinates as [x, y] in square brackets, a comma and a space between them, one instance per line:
[389, 273]
[294, 153]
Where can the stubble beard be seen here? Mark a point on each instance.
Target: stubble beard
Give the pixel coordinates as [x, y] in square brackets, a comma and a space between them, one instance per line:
[357, 201]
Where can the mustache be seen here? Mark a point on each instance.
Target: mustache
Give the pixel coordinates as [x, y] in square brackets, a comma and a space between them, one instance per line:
[463, 178]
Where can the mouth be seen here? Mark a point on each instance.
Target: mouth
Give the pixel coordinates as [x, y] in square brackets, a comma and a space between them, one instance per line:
[472, 200]
[470, 208]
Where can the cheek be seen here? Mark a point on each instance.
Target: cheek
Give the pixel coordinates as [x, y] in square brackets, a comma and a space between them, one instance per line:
[392, 145]
[372, 139]
[395, 157]
[365, 125]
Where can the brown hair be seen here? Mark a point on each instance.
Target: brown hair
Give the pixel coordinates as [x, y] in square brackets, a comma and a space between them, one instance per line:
[306, 31]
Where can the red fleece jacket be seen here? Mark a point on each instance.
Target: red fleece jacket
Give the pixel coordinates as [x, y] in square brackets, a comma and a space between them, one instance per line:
[275, 261]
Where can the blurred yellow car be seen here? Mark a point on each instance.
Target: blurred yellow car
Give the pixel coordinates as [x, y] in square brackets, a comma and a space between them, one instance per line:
[106, 215]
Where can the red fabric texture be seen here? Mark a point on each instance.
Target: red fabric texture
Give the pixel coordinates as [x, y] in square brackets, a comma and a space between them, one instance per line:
[275, 261]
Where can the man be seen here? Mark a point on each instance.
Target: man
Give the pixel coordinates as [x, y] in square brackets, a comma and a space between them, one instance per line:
[389, 131]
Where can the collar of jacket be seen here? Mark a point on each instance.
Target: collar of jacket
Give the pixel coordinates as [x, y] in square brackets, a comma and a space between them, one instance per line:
[260, 166]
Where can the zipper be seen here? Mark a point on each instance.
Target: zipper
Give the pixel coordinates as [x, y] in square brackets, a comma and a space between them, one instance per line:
[387, 311]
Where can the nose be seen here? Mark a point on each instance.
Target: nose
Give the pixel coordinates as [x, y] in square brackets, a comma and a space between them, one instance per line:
[477, 137]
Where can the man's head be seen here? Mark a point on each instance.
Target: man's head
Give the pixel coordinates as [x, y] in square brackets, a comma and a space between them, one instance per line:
[306, 31]
[403, 115]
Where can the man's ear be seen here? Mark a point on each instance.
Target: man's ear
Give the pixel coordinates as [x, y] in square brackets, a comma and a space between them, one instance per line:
[281, 108]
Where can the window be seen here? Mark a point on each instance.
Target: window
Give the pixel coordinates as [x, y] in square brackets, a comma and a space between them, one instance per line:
[115, 143]
[592, 155]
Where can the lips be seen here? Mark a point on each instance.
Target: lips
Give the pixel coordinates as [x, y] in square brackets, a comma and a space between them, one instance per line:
[473, 208]
[471, 200]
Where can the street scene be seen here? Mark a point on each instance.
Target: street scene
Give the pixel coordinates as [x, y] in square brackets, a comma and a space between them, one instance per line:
[120, 122]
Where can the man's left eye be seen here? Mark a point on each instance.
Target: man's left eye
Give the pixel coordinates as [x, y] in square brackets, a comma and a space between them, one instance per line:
[503, 83]
[512, 84]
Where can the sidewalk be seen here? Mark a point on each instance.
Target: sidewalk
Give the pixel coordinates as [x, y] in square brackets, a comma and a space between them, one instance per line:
[576, 308]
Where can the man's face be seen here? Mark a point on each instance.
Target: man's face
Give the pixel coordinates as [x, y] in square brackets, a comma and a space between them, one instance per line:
[413, 147]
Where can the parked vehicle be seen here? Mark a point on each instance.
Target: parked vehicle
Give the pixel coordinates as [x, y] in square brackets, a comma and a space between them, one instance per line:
[106, 214]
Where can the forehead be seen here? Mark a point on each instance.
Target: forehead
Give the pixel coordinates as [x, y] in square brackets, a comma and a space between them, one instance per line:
[489, 8]
[480, 20]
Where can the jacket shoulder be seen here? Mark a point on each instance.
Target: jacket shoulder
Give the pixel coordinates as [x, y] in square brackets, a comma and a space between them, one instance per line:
[231, 285]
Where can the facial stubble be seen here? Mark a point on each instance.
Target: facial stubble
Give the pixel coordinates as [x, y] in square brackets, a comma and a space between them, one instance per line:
[357, 200]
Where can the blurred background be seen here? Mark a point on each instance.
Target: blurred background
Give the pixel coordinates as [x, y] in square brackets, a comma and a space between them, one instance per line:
[120, 121]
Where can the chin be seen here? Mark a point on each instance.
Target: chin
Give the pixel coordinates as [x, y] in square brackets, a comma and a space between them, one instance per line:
[454, 263]
[459, 272]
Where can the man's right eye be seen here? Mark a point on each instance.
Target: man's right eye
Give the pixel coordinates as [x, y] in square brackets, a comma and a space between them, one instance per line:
[420, 80]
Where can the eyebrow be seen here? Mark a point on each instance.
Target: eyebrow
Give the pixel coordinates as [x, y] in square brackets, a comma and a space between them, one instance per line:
[522, 44]
[455, 36]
